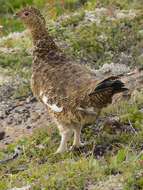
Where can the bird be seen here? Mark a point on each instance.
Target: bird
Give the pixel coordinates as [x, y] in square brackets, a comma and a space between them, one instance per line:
[71, 92]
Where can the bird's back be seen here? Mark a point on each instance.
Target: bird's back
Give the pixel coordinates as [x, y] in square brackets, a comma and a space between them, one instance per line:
[70, 91]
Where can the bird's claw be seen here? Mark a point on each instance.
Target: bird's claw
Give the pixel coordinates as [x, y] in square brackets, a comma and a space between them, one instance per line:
[75, 147]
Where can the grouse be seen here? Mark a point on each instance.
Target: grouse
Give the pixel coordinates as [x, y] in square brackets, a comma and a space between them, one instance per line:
[71, 92]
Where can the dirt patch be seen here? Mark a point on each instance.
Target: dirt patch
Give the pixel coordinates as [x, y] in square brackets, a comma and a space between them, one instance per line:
[19, 118]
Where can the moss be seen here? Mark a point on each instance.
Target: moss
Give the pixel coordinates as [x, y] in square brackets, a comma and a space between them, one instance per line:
[73, 20]
[98, 44]
[125, 4]
[13, 61]
[10, 24]
[10, 6]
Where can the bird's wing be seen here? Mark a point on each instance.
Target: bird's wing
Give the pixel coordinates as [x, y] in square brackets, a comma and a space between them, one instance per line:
[104, 90]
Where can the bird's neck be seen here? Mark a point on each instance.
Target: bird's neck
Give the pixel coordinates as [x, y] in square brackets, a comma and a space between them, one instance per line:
[44, 44]
[45, 50]
[40, 34]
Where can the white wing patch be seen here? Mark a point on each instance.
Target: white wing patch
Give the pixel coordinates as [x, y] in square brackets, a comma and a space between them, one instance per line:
[53, 107]
[41, 93]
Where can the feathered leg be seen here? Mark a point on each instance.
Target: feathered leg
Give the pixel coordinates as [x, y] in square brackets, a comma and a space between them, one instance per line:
[65, 133]
[77, 132]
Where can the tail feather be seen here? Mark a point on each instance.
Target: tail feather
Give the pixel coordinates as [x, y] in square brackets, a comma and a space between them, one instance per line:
[104, 91]
[116, 85]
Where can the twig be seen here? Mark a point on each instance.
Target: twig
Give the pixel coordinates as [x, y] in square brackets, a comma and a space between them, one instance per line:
[17, 152]
[133, 129]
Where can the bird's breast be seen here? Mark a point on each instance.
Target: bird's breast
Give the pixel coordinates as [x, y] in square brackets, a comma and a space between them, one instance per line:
[52, 106]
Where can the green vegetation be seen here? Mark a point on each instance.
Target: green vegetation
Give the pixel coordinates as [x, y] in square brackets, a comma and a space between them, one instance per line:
[93, 37]
[123, 157]
[95, 34]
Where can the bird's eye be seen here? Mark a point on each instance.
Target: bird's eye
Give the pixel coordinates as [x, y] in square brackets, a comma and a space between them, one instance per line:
[26, 13]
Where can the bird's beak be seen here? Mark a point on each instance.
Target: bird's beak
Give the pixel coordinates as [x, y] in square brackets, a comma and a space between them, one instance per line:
[17, 15]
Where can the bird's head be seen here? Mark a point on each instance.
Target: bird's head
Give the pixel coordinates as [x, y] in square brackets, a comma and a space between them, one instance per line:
[31, 17]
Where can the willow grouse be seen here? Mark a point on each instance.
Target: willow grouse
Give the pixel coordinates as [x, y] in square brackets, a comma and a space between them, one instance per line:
[73, 95]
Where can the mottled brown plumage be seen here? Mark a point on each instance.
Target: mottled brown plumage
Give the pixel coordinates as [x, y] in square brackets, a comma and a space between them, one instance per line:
[73, 95]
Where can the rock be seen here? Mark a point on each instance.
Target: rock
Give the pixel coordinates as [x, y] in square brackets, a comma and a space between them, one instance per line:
[1, 115]
[9, 120]
[6, 90]
[32, 99]
[2, 135]
[35, 116]
[1, 27]
[112, 68]
[100, 150]
[28, 127]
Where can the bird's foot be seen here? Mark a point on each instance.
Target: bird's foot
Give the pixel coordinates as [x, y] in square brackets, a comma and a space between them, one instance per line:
[76, 146]
[61, 150]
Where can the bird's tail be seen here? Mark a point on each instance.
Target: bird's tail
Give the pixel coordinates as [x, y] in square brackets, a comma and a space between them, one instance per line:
[112, 83]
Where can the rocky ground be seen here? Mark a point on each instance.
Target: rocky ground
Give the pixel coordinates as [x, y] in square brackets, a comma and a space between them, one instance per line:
[18, 116]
